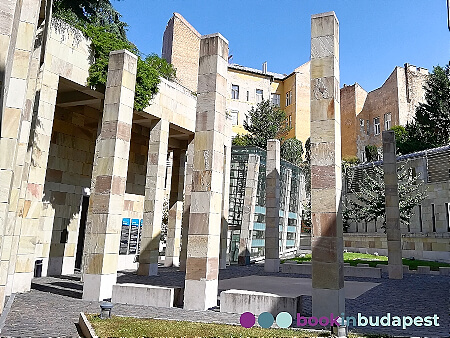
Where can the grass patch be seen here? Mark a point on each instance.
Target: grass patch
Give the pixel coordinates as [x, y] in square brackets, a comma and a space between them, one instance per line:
[139, 327]
[354, 258]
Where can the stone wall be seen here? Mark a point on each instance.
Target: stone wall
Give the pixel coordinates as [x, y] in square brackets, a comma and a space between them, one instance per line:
[420, 246]
[68, 173]
[181, 48]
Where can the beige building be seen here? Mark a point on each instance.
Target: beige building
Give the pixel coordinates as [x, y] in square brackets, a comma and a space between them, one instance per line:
[249, 86]
[364, 115]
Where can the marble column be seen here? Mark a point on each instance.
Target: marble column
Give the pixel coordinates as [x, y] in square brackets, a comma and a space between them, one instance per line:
[103, 226]
[272, 236]
[326, 182]
[202, 265]
[154, 198]
[248, 209]
[175, 209]
[394, 236]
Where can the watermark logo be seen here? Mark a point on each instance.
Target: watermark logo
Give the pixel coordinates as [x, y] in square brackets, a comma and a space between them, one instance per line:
[284, 320]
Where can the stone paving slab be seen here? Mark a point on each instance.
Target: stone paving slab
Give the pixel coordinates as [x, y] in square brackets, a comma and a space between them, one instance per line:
[53, 305]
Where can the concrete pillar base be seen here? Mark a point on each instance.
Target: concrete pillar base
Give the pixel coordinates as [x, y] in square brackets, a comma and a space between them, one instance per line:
[327, 301]
[200, 294]
[272, 265]
[98, 287]
[243, 260]
[22, 282]
[223, 262]
[172, 261]
[395, 271]
[60, 266]
[149, 269]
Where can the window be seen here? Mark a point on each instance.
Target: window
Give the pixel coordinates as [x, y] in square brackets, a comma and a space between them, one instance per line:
[234, 117]
[259, 95]
[276, 99]
[290, 121]
[361, 125]
[387, 121]
[376, 126]
[235, 92]
[248, 95]
[368, 127]
[289, 98]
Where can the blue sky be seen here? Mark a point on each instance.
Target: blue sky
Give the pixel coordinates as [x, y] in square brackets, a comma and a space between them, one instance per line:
[375, 35]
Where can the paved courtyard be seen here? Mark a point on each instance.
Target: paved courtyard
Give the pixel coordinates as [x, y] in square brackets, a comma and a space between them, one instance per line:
[52, 307]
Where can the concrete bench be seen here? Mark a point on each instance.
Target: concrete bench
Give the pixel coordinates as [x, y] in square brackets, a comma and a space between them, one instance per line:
[240, 301]
[303, 269]
[357, 271]
[444, 271]
[351, 271]
[423, 270]
[147, 295]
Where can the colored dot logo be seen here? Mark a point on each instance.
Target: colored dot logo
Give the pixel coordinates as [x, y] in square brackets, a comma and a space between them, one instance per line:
[266, 320]
[247, 320]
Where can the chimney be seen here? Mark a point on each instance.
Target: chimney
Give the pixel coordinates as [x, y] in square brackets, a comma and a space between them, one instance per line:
[264, 67]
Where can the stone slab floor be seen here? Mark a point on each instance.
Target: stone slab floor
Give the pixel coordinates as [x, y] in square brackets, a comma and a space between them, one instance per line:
[52, 307]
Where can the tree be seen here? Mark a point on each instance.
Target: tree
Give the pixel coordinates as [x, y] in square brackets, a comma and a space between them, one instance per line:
[371, 153]
[292, 151]
[94, 12]
[100, 22]
[432, 118]
[430, 127]
[267, 121]
[368, 204]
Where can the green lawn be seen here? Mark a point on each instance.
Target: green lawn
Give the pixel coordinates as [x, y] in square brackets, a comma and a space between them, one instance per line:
[136, 327]
[354, 258]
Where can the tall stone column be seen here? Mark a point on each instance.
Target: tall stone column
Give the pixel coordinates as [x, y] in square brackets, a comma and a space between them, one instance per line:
[103, 226]
[394, 236]
[187, 205]
[287, 199]
[175, 209]
[202, 265]
[17, 35]
[248, 211]
[326, 183]
[154, 198]
[272, 237]
[225, 199]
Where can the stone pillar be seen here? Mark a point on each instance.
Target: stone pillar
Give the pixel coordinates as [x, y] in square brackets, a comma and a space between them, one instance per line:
[154, 198]
[326, 182]
[272, 237]
[187, 205]
[394, 236]
[202, 265]
[103, 226]
[225, 200]
[248, 211]
[15, 136]
[287, 199]
[175, 209]
[300, 199]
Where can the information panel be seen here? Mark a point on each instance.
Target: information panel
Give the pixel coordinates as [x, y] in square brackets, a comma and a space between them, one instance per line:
[124, 236]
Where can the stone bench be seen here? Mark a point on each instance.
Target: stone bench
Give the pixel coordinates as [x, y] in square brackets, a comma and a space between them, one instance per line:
[240, 301]
[303, 269]
[147, 295]
[350, 271]
[445, 271]
[358, 271]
